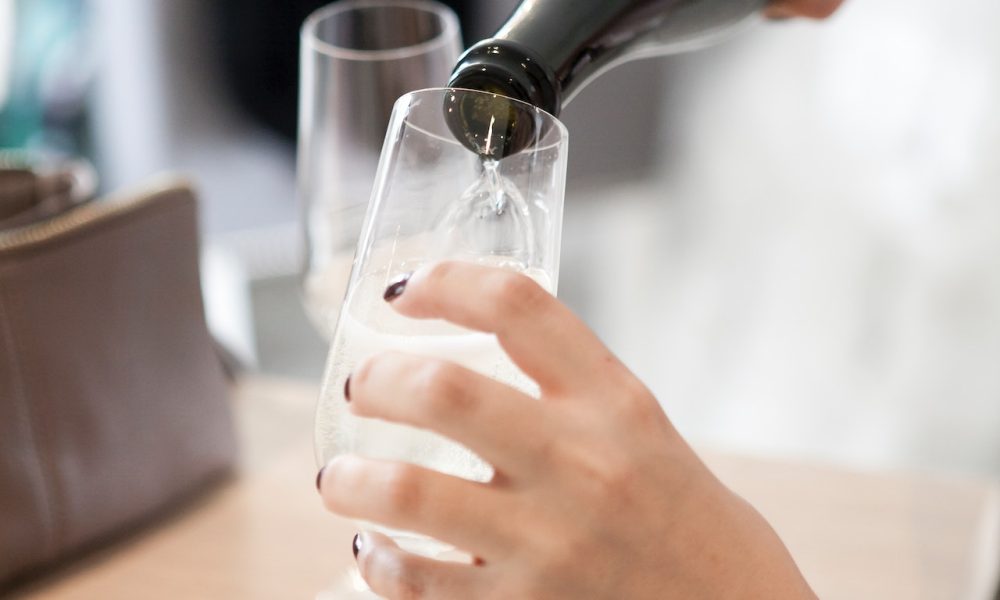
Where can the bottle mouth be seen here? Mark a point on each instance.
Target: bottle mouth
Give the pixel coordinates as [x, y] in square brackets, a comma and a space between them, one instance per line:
[507, 68]
[491, 124]
[502, 121]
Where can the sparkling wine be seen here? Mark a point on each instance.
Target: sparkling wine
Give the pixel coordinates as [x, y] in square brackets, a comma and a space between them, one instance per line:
[380, 330]
[490, 220]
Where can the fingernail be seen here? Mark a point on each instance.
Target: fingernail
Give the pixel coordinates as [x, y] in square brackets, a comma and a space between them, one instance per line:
[396, 288]
[347, 388]
[356, 544]
[319, 477]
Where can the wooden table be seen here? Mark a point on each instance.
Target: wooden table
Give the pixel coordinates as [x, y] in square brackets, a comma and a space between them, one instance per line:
[265, 534]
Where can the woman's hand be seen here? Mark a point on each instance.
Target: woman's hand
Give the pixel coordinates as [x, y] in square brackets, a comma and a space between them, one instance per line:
[595, 493]
[813, 9]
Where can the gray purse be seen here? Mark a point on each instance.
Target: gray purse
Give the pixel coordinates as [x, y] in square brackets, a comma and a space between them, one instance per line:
[113, 403]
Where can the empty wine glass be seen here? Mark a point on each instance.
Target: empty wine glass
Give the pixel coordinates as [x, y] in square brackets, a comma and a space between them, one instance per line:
[357, 58]
[433, 200]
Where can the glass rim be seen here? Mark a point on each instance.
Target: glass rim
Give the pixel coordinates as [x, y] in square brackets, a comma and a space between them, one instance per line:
[560, 126]
[446, 16]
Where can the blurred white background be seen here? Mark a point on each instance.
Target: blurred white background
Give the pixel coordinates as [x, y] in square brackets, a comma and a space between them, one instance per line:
[815, 271]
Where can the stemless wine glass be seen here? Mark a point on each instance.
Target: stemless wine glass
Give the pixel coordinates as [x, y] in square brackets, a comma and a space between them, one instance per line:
[357, 58]
[434, 200]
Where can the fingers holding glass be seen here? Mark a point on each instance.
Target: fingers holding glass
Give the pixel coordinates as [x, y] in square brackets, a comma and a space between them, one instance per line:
[543, 337]
[392, 572]
[405, 497]
[504, 426]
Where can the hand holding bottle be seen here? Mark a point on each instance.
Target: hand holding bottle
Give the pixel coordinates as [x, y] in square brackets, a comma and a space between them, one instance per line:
[595, 494]
[812, 9]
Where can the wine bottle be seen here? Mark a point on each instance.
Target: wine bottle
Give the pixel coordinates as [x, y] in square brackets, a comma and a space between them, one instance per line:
[548, 50]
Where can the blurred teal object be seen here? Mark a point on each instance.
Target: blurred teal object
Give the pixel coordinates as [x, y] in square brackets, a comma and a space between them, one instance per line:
[49, 70]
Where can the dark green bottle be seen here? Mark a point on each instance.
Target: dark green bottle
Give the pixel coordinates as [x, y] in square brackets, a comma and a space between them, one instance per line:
[548, 50]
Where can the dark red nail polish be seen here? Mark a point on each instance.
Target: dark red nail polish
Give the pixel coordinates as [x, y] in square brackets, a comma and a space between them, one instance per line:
[356, 544]
[347, 388]
[396, 288]
[319, 478]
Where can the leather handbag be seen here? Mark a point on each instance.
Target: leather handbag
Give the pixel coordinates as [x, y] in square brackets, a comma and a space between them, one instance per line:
[113, 403]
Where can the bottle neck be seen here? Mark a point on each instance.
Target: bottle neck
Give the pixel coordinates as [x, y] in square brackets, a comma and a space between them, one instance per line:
[550, 49]
[536, 53]
[568, 34]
